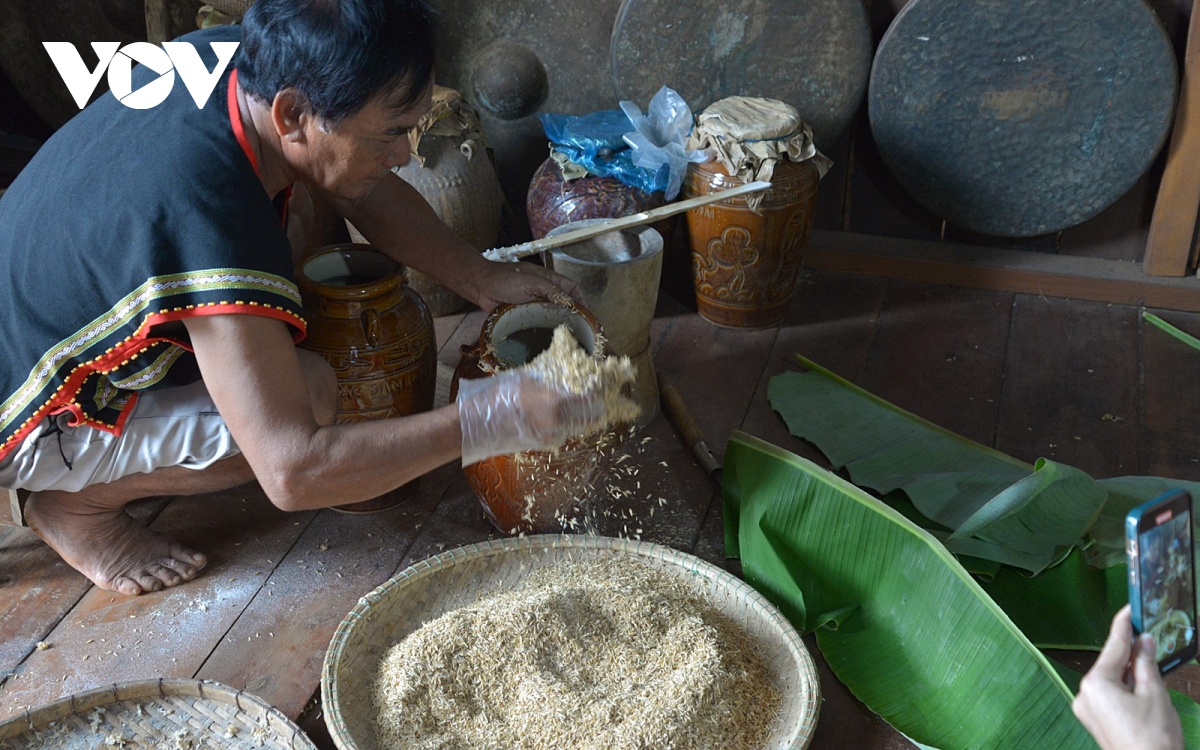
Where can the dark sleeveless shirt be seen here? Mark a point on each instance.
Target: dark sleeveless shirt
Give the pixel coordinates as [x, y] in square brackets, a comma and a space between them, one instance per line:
[124, 223]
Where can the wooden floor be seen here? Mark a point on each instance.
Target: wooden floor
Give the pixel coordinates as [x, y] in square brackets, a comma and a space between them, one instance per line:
[1088, 384]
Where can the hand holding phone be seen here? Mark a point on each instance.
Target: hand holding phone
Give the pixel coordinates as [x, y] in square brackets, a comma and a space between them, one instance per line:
[1120, 715]
[1162, 588]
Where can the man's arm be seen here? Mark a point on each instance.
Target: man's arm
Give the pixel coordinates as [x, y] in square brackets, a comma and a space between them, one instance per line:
[395, 218]
[250, 367]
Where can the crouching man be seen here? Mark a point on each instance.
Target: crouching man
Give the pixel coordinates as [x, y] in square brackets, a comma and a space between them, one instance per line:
[149, 312]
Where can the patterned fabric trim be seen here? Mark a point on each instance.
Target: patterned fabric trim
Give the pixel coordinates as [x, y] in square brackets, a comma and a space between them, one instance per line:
[128, 308]
[121, 407]
[153, 373]
[64, 398]
[106, 393]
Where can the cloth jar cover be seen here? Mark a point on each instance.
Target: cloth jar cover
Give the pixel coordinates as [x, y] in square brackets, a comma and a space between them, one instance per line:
[750, 135]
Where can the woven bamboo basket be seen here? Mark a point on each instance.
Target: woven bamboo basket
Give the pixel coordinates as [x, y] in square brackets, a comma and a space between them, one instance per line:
[459, 577]
[152, 714]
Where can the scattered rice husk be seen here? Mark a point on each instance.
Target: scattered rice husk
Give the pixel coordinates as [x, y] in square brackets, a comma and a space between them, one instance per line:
[566, 363]
[596, 654]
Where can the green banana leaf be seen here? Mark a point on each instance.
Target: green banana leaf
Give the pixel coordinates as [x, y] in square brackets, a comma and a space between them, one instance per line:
[1186, 338]
[997, 508]
[1189, 717]
[916, 638]
[984, 570]
[1125, 494]
[1065, 606]
[1069, 606]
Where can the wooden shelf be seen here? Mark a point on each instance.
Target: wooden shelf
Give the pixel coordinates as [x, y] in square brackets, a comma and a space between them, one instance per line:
[1025, 272]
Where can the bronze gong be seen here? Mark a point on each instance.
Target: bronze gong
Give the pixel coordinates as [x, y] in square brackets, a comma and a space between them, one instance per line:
[813, 54]
[1022, 117]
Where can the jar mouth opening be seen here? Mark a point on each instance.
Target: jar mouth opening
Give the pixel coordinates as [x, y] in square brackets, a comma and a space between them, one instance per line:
[349, 267]
[520, 320]
[349, 272]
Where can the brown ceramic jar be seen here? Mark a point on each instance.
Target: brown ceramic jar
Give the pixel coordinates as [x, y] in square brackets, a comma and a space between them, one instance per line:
[378, 335]
[534, 492]
[746, 265]
[553, 201]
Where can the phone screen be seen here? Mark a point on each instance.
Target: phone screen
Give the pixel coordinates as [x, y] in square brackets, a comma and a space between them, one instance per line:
[1168, 591]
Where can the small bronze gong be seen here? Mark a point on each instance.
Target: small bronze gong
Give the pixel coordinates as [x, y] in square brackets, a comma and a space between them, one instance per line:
[514, 59]
[1022, 117]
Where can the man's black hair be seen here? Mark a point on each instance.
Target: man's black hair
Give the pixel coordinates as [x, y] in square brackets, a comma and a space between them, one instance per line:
[339, 54]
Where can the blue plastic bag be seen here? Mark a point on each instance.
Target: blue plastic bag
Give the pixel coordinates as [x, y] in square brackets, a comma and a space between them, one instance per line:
[592, 134]
[645, 152]
[596, 142]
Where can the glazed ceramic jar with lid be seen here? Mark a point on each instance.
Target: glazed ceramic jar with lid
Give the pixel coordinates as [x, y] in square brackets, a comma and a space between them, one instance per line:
[746, 251]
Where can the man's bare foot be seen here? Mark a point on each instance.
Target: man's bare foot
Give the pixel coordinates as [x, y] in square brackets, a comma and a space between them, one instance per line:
[108, 546]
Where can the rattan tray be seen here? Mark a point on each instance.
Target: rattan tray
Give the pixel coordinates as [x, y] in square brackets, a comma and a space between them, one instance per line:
[461, 576]
[153, 714]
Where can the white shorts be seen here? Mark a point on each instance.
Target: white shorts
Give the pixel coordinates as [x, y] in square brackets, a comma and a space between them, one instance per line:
[168, 427]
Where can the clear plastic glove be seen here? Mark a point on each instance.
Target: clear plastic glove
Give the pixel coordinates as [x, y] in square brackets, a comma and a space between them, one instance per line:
[516, 411]
[1122, 713]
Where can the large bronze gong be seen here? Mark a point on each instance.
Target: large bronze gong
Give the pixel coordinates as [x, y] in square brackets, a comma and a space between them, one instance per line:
[514, 59]
[812, 54]
[1022, 117]
[28, 23]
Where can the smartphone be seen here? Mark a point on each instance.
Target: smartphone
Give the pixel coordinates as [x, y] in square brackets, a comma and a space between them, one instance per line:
[1162, 588]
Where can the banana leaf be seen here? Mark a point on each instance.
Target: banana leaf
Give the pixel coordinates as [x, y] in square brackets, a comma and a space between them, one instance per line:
[900, 622]
[997, 508]
[1186, 338]
[1125, 494]
[1069, 606]
[1066, 606]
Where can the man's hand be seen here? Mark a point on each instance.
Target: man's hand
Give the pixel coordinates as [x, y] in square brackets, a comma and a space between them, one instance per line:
[1120, 716]
[397, 220]
[515, 411]
[512, 283]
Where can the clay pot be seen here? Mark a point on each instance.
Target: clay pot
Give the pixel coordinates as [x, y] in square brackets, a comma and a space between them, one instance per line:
[459, 181]
[377, 334]
[745, 265]
[531, 492]
[552, 201]
[460, 184]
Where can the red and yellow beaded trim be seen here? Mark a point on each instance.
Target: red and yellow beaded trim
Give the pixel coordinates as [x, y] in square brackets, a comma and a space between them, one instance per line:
[64, 398]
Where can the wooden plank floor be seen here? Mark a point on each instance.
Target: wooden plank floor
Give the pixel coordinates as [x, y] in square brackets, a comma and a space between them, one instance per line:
[1085, 383]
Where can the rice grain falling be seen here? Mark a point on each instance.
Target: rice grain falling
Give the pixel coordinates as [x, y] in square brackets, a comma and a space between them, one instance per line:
[566, 363]
[595, 654]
